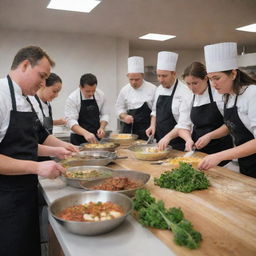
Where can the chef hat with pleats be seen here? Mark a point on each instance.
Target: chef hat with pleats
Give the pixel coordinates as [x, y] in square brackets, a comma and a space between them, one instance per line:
[135, 64]
[220, 57]
[167, 61]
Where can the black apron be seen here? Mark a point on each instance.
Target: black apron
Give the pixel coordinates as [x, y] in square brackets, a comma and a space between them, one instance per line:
[207, 118]
[89, 119]
[241, 135]
[47, 120]
[165, 120]
[141, 122]
[19, 224]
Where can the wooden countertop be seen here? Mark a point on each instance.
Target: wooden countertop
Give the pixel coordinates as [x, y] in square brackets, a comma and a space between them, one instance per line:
[225, 214]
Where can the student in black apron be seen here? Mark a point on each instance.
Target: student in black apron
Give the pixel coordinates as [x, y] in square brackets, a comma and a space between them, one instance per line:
[19, 232]
[206, 119]
[239, 90]
[89, 128]
[135, 100]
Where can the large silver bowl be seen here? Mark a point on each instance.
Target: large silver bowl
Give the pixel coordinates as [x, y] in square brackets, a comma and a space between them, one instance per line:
[142, 152]
[123, 138]
[95, 158]
[101, 146]
[75, 182]
[141, 177]
[91, 228]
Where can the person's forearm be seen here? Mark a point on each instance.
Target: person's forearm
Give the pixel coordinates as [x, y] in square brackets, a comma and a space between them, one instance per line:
[122, 116]
[45, 150]
[153, 121]
[219, 132]
[11, 166]
[173, 134]
[184, 134]
[243, 150]
[52, 141]
[79, 130]
[103, 124]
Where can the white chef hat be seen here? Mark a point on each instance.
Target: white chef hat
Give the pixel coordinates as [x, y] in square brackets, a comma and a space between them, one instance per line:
[167, 61]
[135, 64]
[220, 57]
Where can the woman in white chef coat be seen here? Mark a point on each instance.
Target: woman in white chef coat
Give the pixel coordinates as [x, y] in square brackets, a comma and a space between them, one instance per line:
[19, 148]
[85, 112]
[239, 92]
[209, 133]
[135, 100]
[168, 103]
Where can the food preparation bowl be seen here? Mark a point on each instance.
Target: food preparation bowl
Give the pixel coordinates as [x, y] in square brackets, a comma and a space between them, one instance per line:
[106, 145]
[149, 152]
[123, 138]
[140, 177]
[94, 158]
[104, 173]
[91, 228]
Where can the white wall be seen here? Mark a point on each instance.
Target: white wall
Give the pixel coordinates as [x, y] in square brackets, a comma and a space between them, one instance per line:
[74, 54]
[186, 57]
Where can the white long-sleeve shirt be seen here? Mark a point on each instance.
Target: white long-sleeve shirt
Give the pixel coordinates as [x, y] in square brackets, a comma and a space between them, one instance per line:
[185, 121]
[179, 104]
[73, 105]
[130, 98]
[6, 104]
[38, 109]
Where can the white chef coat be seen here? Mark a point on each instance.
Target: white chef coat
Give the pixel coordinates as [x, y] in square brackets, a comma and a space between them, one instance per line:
[181, 96]
[246, 107]
[73, 105]
[130, 98]
[38, 109]
[6, 104]
[185, 121]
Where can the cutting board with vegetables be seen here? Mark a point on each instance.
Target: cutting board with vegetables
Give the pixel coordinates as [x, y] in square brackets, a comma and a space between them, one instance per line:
[225, 213]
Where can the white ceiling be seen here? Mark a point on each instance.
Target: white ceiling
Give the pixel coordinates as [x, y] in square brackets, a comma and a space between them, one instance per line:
[194, 22]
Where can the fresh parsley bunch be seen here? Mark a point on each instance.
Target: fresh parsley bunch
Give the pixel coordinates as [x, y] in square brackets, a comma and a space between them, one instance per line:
[153, 213]
[184, 178]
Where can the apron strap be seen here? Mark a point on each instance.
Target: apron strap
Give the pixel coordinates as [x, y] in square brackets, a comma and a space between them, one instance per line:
[50, 109]
[28, 100]
[40, 104]
[210, 91]
[12, 93]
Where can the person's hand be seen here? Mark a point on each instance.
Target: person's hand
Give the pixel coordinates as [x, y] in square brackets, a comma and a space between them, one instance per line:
[90, 137]
[203, 141]
[61, 152]
[209, 161]
[101, 133]
[49, 169]
[61, 121]
[150, 131]
[128, 119]
[163, 143]
[71, 147]
[189, 146]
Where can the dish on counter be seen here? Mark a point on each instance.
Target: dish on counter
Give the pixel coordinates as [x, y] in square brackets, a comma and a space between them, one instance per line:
[105, 146]
[86, 226]
[149, 152]
[123, 181]
[123, 138]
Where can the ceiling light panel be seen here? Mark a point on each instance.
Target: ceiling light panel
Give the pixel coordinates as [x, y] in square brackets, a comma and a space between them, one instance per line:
[73, 5]
[248, 28]
[157, 37]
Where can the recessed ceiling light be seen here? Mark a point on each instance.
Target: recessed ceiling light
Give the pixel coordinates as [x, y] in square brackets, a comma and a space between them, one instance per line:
[157, 37]
[73, 5]
[248, 28]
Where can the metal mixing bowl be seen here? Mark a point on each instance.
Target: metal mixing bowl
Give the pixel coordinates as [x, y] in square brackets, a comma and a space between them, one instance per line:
[91, 228]
[141, 152]
[117, 138]
[75, 182]
[111, 148]
[141, 177]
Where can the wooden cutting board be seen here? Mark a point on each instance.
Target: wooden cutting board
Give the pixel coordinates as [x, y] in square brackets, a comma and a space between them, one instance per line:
[225, 214]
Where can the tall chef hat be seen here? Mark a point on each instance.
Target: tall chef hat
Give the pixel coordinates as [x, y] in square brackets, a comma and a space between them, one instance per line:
[167, 61]
[220, 57]
[135, 64]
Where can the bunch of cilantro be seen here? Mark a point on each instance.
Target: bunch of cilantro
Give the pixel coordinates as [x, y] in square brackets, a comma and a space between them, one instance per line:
[153, 213]
[184, 178]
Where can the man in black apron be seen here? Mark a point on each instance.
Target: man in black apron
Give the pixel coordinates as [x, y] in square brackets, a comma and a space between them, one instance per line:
[19, 232]
[89, 127]
[135, 100]
[207, 118]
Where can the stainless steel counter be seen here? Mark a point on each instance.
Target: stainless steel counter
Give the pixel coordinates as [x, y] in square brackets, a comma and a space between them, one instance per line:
[128, 239]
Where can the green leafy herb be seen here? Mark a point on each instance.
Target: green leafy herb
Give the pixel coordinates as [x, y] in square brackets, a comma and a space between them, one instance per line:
[184, 178]
[153, 213]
